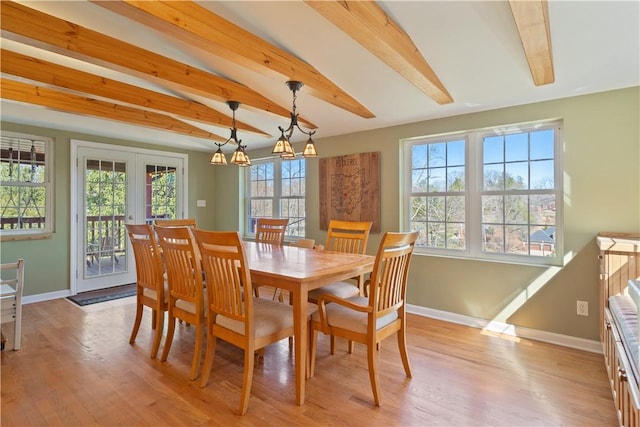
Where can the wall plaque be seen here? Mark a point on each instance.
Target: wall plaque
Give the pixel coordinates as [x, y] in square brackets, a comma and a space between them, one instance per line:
[350, 189]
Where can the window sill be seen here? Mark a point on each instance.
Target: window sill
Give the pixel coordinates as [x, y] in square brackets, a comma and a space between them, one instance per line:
[14, 237]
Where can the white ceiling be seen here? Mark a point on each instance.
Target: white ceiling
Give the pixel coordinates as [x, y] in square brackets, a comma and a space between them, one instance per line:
[472, 46]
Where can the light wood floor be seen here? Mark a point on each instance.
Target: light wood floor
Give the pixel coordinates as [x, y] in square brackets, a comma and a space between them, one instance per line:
[76, 368]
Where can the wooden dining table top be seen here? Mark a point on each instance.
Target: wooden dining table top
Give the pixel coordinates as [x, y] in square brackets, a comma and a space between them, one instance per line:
[300, 270]
[281, 265]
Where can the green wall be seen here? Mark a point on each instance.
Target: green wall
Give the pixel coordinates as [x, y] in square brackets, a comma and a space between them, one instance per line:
[47, 261]
[602, 193]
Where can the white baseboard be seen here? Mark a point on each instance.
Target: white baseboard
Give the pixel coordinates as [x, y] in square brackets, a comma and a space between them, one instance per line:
[29, 299]
[507, 329]
[474, 322]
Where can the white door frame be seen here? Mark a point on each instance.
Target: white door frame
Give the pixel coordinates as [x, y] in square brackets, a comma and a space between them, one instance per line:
[137, 211]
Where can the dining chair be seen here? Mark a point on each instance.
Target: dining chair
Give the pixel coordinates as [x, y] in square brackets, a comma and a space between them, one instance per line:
[248, 323]
[270, 230]
[11, 290]
[369, 320]
[304, 243]
[186, 288]
[177, 222]
[152, 287]
[345, 237]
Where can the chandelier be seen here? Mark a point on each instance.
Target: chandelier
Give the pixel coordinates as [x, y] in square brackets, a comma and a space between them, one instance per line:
[239, 157]
[283, 144]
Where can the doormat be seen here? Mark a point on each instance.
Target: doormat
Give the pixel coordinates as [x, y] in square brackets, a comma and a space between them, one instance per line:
[102, 295]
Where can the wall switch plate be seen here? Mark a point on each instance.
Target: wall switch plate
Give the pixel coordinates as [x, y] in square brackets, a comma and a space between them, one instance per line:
[583, 308]
[201, 203]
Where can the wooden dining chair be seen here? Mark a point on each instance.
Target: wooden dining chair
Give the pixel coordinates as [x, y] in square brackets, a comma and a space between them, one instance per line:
[177, 222]
[186, 288]
[304, 243]
[152, 288]
[270, 230]
[248, 323]
[345, 237]
[369, 320]
[11, 290]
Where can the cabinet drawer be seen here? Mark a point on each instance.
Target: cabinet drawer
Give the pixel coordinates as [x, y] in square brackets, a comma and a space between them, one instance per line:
[626, 390]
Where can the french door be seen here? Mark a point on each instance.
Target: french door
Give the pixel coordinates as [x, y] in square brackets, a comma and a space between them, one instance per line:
[113, 186]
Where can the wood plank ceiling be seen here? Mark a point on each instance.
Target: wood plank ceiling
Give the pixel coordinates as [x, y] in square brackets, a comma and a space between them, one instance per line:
[69, 90]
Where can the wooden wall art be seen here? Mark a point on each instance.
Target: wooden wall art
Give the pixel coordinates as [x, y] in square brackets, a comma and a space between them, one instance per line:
[350, 189]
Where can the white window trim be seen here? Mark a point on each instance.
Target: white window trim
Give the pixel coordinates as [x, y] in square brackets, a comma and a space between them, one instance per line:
[473, 193]
[41, 233]
[277, 188]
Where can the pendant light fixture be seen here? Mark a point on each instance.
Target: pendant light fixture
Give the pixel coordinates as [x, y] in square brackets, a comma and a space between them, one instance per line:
[239, 157]
[283, 144]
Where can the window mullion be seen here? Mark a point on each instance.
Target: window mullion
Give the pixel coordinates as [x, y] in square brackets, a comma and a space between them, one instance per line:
[277, 190]
[474, 195]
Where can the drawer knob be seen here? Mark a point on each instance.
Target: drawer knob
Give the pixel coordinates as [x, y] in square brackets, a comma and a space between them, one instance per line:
[622, 374]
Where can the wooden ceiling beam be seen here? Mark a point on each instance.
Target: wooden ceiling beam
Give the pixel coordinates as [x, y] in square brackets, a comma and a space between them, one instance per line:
[369, 25]
[69, 103]
[532, 21]
[38, 29]
[196, 25]
[20, 65]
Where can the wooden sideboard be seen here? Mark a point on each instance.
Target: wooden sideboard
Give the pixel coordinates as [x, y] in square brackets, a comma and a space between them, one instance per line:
[619, 260]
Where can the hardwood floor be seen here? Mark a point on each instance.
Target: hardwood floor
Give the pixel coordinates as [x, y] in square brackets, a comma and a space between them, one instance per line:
[76, 368]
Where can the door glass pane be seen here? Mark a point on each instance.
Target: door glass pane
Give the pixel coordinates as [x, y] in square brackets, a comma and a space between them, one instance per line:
[160, 190]
[105, 201]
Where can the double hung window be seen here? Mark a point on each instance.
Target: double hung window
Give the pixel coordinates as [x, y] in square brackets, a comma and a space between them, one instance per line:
[276, 189]
[25, 185]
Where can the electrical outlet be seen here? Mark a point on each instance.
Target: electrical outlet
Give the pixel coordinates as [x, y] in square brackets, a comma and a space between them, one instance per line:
[583, 308]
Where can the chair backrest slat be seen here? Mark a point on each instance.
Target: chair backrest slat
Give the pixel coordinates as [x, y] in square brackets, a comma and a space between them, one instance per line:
[271, 230]
[176, 222]
[146, 252]
[389, 277]
[184, 272]
[228, 280]
[348, 236]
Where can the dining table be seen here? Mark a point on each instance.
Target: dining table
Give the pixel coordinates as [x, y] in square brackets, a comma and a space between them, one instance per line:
[299, 270]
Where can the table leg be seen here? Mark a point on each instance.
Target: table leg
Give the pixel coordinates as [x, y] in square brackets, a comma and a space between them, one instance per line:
[300, 296]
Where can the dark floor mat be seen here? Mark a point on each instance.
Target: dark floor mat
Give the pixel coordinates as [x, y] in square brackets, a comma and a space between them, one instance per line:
[102, 295]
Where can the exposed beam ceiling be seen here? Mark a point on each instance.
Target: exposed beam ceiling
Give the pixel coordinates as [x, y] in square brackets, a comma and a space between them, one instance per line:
[193, 24]
[57, 75]
[62, 101]
[164, 69]
[370, 26]
[532, 21]
[39, 29]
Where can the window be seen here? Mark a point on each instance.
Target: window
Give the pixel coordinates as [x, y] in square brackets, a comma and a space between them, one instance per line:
[276, 189]
[162, 193]
[25, 185]
[488, 194]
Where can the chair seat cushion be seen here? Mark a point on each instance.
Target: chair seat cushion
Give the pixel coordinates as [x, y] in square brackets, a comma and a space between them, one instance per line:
[153, 294]
[338, 289]
[342, 317]
[270, 317]
[189, 306]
